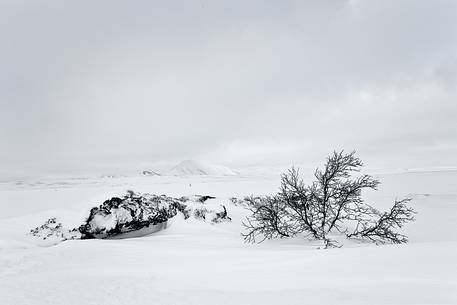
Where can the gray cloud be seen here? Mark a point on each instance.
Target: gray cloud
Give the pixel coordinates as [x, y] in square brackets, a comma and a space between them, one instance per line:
[236, 82]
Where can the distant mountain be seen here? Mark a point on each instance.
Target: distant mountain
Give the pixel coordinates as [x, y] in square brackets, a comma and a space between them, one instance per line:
[199, 168]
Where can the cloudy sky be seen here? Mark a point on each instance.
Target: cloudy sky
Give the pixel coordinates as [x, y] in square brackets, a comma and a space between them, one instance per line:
[85, 83]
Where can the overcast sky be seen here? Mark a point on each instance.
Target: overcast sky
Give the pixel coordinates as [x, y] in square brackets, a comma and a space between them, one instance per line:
[84, 83]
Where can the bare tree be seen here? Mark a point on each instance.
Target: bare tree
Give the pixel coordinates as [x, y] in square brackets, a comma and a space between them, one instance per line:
[327, 205]
[269, 219]
[382, 229]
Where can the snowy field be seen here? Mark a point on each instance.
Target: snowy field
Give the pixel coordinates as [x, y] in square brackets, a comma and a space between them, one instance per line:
[194, 262]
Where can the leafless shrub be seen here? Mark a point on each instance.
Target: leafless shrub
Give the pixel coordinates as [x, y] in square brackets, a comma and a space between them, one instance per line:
[269, 219]
[327, 205]
[382, 229]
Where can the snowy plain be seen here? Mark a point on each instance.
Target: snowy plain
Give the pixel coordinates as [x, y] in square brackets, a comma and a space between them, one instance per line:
[193, 262]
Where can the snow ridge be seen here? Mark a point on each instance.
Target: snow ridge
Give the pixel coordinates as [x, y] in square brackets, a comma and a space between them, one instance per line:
[199, 168]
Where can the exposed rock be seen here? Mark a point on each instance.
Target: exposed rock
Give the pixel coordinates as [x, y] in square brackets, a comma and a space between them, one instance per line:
[221, 216]
[132, 215]
[202, 199]
[54, 231]
[129, 213]
[149, 173]
[200, 213]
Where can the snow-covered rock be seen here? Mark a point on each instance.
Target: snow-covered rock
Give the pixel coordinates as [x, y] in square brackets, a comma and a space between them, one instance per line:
[130, 213]
[149, 173]
[54, 232]
[134, 215]
[197, 168]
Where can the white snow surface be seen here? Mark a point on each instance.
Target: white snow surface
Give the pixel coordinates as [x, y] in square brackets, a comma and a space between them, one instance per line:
[198, 168]
[196, 262]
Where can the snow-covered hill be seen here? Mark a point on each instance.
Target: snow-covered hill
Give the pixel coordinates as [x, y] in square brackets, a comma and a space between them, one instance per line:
[198, 168]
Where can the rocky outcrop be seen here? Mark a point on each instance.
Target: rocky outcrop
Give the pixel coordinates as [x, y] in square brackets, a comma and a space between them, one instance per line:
[149, 173]
[134, 215]
[53, 230]
[129, 213]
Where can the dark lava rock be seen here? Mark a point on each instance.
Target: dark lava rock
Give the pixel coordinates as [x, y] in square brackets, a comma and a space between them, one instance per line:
[53, 230]
[203, 198]
[129, 213]
[221, 216]
[149, 173]
[132, 215]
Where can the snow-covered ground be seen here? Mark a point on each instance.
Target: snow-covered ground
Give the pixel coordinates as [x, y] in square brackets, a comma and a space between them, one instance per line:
[193, 262]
